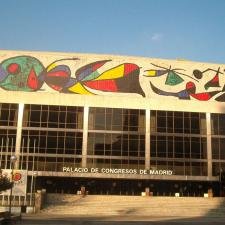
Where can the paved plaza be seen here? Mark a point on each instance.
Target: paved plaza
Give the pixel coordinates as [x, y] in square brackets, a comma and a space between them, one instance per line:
[114, 220]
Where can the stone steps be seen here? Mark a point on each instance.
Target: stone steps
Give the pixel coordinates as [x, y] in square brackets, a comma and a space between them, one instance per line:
[140, 199]
[93, 205]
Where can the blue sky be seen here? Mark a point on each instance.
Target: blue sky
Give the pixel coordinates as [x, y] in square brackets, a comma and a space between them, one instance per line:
[171, 29]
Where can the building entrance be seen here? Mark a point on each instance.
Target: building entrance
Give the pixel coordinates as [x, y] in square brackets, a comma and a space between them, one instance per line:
[126, 187]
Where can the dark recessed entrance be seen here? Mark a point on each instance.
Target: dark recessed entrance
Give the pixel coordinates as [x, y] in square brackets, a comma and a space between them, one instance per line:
[70, 185]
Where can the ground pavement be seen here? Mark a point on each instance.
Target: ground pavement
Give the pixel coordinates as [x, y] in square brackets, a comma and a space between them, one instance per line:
[115, 220]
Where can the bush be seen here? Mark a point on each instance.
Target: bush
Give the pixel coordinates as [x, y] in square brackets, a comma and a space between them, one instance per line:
[5, 183]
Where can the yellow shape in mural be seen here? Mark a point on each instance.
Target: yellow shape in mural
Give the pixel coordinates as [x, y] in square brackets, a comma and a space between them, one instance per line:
[79, 89]
[51, 66]
[113, 73]
[151, 73]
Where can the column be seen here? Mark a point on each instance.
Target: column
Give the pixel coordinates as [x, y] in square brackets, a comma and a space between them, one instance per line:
[85, 136]
[147, 139]
[19, 134]
[209, 144]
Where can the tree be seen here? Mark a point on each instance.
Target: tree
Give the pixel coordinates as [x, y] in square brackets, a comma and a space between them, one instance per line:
[222, 177]
[5, 182]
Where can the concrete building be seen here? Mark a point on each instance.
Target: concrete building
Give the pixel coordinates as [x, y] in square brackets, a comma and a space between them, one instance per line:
[114, 124]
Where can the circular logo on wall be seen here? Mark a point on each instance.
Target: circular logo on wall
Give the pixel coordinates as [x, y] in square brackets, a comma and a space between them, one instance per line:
[17, 176]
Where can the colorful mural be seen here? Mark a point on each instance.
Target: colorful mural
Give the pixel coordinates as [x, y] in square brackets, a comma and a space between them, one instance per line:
[172, 78]
[189, 91]
[27, 73]
[21, 74]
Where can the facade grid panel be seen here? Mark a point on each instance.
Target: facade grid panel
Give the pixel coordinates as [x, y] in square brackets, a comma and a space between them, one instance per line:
[218, 143]
[117, 133]
[178, 142]
[51, 137]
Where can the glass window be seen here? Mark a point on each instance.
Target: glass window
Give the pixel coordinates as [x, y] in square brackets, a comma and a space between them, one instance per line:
[179, 168]
[161, 146]
[195, 148]
[8, 114]
[187, 150]
[221, 124]
[161, 121]
[153, 146]
[178, 147]
[117, 119]
[53, 116]
[51, 142]
[222, 148]
[218, 124]
[170, 122]
[214, 123]
[178, 122]
[195, 123]
[170, 146]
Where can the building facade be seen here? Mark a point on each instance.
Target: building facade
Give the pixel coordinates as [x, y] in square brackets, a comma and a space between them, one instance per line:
[114, 124]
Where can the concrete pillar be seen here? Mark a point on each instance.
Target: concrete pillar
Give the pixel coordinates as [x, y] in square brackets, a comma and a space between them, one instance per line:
[40, 199]
[85, 136]
[147, 139]
[19, 134]
[209, 144]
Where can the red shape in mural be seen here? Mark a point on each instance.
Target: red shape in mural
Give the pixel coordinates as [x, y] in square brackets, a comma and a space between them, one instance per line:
[32, 80]
[214, 82]
[129, 68]
[13, 68]
[103, 85]
[58, 77]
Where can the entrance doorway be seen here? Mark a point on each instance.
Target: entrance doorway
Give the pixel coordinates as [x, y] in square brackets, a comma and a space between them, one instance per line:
[71, 185]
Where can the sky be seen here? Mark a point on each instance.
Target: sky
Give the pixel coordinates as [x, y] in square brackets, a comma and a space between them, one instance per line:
[170, 29]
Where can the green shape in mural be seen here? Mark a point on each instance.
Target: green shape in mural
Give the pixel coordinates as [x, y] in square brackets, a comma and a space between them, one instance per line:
[22, 73]
[173, 79]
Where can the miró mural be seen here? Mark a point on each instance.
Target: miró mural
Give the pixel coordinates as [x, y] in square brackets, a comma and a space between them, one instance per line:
[73, 75]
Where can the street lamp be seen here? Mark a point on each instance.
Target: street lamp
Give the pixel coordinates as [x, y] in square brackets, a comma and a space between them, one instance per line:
[221, 179]
[34, 190]
[13, 159]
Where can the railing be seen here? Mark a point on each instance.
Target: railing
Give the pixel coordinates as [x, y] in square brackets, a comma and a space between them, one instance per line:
[27, 200]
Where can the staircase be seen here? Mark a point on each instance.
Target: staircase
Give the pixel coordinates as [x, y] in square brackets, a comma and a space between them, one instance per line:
[106, 205]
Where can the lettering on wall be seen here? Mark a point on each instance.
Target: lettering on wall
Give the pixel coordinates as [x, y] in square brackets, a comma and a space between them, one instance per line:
[116, 171]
